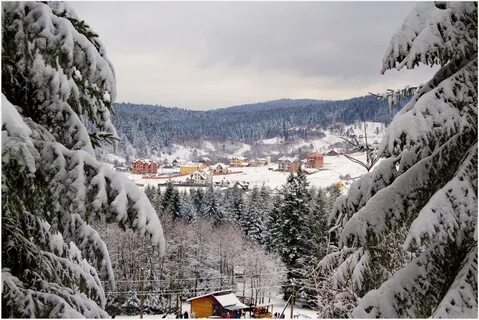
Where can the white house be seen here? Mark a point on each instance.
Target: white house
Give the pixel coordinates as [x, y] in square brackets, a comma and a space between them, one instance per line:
[220, 168]
[203, 177]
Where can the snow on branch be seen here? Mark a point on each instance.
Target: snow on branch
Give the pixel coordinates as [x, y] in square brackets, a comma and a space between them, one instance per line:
[73, 186]
[433, 33]
[461, 299]
[118, 197]
[36, 304]
[400, 201]
[55, 66]
[433, 115]
[452, 211]
[414, 290]
[393, 97]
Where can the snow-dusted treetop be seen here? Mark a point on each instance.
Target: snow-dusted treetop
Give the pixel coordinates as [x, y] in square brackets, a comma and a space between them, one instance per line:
[56, 83]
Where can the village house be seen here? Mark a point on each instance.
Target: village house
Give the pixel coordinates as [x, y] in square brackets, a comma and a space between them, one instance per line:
[200, 178]
[288, 164]
[219, 169]
[144, 166]
[190, 167]
[259, 162]
[222, 184]
[238, 161]
[219, 304]
[205, 161]
[241, 185]
[315, 161]
[332, 152]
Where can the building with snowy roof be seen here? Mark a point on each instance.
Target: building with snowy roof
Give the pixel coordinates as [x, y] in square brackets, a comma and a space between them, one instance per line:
[288, 164]
[238, 161]
[144, 166]
[216, 304]
[190, 167]
[200, 178]
[220, 168]
[315, 160]
[332, 152]
[258, 162]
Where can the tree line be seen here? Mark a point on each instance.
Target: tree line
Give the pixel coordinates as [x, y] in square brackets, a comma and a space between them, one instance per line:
[152, 128]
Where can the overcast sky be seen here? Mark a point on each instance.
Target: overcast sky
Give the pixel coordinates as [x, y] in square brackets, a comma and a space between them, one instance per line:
[204, 55]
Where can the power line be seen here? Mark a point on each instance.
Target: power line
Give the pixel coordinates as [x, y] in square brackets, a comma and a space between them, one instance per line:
[166, 292]
[200, 278]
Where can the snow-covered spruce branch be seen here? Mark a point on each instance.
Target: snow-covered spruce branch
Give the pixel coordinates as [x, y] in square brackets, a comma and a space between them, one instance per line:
[398, 202]
[416, 288]
[57, 85]
[393, 97]
[451, 212]
[427, 198]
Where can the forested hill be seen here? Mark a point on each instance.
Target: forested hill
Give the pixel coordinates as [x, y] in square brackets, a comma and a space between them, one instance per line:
[281, 118]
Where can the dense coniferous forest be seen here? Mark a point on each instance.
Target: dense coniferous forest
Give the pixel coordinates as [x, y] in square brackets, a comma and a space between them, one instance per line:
[286, 118]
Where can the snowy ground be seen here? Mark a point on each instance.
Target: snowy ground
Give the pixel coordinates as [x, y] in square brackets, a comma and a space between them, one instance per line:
[334, 167]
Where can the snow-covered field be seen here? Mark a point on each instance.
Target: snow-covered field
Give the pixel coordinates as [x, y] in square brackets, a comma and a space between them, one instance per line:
[334, 167]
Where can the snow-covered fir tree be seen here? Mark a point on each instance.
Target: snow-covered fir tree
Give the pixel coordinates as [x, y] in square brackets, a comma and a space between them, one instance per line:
[198, 201]
[273, 225]
[212, 209]
[408, 229]
[187, 208]
[252, 220]
[58, 87]
[293, 226]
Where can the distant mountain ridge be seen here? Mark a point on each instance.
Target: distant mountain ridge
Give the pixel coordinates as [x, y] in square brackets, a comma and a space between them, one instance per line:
[151, 128]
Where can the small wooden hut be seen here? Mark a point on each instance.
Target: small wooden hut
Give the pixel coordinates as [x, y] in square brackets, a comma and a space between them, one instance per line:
[217, 303]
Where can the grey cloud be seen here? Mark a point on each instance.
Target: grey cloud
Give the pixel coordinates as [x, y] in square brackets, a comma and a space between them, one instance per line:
[213, 54]
[309, 38]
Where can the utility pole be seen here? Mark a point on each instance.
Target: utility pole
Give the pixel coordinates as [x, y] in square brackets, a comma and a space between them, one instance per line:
[293, 301]
[142, 289]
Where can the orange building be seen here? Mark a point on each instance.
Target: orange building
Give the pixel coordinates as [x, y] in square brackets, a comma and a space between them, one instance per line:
[315, 160]
[144, 166]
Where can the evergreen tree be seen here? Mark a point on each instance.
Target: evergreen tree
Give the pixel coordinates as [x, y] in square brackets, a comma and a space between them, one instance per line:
[187, 208]
[198, 201]
[167, 196]
[151, 192]
[273, 226]
[173, 207]
[212, 211]
[252, 221]
[56, 79]
[408, 229]
[226, 206]
[319, 224]
[238, 203]
[294, 226]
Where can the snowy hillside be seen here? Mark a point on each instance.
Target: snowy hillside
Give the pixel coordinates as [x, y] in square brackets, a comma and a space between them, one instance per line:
[147, 130]
[221, 151]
